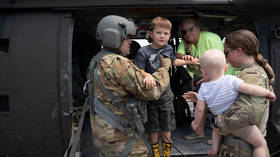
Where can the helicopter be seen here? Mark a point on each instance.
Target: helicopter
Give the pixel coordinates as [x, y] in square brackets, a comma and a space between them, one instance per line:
[46, 46]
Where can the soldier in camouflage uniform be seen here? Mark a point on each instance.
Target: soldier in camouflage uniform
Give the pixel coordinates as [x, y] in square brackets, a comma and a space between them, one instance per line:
[241, 48]
[124, 80]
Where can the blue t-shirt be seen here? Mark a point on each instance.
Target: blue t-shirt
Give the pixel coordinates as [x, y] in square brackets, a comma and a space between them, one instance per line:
[148, 59]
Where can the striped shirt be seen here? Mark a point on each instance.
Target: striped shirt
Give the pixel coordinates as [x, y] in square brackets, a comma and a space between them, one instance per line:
[220, 94]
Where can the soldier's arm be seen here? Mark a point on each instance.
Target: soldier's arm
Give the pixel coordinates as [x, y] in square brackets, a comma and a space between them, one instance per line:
[140, 61]
[256, 91]
[143, 73]
[165, 64]
[149, 80]
[129, 77]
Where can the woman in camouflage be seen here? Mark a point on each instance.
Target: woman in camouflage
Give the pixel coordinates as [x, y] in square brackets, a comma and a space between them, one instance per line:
[242, 50]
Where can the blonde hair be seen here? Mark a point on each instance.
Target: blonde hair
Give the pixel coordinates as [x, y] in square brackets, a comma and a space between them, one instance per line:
[213, 61]
[161, 22]
[194, 21]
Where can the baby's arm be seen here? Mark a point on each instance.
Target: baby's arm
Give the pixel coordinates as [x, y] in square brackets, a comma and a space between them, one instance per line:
[199, 116]
[256, 91]
[149, 80]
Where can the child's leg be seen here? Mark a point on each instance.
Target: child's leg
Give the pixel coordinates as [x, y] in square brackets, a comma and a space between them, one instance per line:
[216, 144]
[257, 140]
[166, 136]
[166, 143]
[153, 136]
[166, 121]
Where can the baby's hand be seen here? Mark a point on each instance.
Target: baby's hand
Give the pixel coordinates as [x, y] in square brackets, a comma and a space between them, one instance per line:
[271, 97]
[190, 96]
[149, 81]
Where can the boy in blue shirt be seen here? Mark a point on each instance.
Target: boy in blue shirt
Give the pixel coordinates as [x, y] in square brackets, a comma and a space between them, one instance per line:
[161, 115]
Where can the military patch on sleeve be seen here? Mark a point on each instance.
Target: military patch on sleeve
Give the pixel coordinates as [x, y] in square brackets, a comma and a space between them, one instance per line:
[250, 76]
[251, 72]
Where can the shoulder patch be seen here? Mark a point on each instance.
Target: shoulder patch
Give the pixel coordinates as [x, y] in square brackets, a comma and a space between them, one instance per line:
[253, 75]
[251, 72]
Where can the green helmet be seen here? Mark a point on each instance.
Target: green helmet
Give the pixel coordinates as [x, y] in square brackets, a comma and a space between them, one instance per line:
[112, 30]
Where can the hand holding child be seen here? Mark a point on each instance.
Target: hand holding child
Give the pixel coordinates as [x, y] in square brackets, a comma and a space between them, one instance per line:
[271, 97]
[149, 81]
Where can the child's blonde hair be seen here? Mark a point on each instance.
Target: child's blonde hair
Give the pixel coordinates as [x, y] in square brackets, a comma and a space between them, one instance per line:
[213, 61]
[161, 22]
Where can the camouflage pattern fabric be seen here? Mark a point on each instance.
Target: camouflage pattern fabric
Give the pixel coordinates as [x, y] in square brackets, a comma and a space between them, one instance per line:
[247, 110]
[228, 151]
[120, 76]
[237, 150]
[111, 142]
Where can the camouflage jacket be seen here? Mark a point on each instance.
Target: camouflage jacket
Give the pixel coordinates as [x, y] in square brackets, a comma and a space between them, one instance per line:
[249, 110]
[240, 114]
[120, 76]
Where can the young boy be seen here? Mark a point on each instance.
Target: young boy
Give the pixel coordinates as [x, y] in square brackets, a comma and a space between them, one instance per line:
[161, 116]
[219, 92]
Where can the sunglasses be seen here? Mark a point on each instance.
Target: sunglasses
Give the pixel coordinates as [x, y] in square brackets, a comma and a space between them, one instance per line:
[226, 52]
[184, 32]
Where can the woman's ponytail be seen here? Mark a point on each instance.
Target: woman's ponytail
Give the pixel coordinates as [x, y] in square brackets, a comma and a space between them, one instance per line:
[263, 63]
[247, 40]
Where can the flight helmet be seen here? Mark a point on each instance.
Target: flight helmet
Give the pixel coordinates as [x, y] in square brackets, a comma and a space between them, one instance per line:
[112, 30]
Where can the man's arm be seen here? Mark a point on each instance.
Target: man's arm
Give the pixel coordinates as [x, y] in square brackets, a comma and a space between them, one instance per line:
[128, 76]
[149, 80]
[256, 91]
